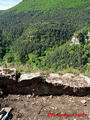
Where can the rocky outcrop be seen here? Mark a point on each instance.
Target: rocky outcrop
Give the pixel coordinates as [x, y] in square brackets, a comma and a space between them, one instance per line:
[48, 84]
[28, 76]
[7, 77]
[8, 72]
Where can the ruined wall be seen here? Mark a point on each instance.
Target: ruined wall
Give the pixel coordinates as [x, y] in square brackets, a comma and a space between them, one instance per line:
[41, 84]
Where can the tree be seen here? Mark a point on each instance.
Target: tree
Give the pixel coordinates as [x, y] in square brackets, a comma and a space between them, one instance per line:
[81, 38]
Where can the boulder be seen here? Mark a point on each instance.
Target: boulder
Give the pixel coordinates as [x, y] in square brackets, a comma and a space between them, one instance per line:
[29, 76]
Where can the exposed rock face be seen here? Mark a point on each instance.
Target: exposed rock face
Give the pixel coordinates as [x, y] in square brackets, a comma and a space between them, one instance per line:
[68, 75]
[7, 76]
[8, 72]
[29, 76]
[48, 84]
[85, 78]
[69, 79]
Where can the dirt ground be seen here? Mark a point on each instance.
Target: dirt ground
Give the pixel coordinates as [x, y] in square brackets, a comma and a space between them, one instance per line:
[27, 107]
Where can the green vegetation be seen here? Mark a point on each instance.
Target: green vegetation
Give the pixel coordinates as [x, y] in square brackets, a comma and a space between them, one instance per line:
[43, 5]
[36, 35]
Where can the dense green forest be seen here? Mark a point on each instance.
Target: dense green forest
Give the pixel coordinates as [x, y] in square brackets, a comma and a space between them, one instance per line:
[38, 34]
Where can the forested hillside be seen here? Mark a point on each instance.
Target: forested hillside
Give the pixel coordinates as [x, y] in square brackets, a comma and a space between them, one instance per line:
[43, 5]
[38, 33]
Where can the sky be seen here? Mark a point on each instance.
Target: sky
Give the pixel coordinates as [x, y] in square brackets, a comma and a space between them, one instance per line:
[5, 4]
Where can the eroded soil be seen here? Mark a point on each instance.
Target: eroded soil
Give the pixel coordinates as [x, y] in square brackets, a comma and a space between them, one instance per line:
[27, 107]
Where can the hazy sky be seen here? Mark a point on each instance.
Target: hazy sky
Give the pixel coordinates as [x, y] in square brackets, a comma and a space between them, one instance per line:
[5, 4]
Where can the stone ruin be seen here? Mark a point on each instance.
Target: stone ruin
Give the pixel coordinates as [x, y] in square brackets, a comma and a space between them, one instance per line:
[75, 39]
[44, 83]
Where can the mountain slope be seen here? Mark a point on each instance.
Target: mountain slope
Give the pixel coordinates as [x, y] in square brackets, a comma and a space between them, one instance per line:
[34, 28]
[44, 5]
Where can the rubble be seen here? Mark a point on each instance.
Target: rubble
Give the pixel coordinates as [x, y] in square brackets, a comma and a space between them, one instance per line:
[88, 99]
[50, 96]
[5, 113]
[28, 96]
[83, 101]
[39, 107]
